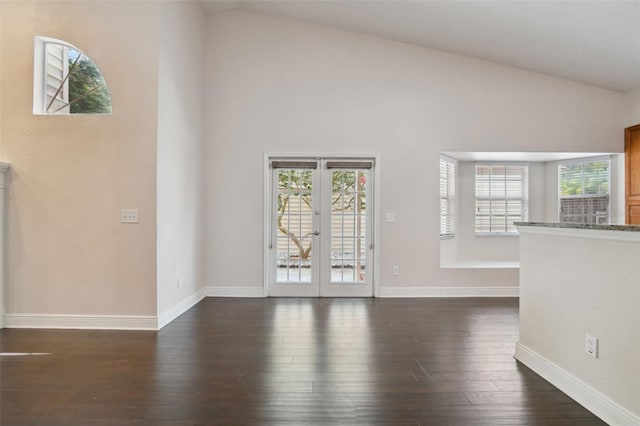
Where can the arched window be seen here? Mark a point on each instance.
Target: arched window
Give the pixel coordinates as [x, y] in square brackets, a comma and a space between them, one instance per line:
[66, 81]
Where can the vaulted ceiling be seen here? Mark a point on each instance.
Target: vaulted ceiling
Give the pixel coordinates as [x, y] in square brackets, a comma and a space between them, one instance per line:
[593, 42]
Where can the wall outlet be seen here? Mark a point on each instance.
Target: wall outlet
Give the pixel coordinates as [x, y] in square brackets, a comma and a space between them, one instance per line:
[395, 270]
[130, 216]
[179, 282]
[591, 345]
[390, 217]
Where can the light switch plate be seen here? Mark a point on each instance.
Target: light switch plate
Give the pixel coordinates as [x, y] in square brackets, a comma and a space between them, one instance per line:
[591, 345]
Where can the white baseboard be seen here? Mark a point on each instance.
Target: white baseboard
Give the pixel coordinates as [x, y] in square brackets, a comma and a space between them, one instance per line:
[98, 322]
[121, 322]
[385, 292]
[234, 292]
[449, 292]
[594, 401]
[180, 308]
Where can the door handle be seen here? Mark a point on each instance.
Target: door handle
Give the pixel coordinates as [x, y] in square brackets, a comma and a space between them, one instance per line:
[313, 233]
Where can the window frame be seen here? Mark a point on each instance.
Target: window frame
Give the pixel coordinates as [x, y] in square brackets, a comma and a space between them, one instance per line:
[584, 196]
[524, 197]
[448, 218]
[40, 67]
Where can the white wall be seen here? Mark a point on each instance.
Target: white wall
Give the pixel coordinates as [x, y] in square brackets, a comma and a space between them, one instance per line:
[632, 118]
[632, 108]
[277, 85]
[617, 200]
[67, 252]
[551, 206]
[571, 285]
[180, 166]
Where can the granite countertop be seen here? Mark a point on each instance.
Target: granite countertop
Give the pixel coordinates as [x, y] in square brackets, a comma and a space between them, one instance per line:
[631, 228]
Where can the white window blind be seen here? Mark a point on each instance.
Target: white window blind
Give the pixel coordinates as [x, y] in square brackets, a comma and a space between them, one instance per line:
[584, 190]
[447, 197]
[502, 197]
[56, 82]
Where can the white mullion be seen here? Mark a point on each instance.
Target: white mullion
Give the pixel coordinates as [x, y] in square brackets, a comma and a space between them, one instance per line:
[583, 215]
[353, 233]
[341, 231]
[356, 218]
[344, 197]
[506, 206]
[300, 202]
[490, 199]
[288, 216]
[525, 202]
[363, 241]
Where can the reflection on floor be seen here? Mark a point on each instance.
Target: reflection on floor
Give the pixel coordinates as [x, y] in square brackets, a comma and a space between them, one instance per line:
[287, 362]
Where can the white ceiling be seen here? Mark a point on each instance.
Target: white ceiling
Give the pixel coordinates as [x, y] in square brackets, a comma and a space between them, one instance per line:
[594, 42]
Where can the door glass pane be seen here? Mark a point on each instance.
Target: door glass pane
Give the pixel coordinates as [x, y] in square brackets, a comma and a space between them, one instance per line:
[294, 225]
[348, 226]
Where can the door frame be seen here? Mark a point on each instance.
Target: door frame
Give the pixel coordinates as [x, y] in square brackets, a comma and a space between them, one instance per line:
[267, 193]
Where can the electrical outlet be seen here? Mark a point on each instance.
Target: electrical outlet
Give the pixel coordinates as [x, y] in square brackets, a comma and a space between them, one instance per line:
[179, 283]
[395, 270]
[390, 217]
[130, 216]
[591, 345]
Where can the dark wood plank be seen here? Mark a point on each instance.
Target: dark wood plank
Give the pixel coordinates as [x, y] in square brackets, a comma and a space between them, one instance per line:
[378, 362]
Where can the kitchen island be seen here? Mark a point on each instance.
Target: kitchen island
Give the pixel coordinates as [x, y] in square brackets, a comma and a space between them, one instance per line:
[580, 282]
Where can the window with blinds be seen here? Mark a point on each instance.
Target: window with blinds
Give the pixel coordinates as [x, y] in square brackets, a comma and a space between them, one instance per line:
[502, 197]
[447, 197]
[584, 190]
[66, 80]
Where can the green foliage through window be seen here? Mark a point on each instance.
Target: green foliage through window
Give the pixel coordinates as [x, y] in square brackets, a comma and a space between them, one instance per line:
[295, 192]
[588, 178]
[584, 191]
[88, 92]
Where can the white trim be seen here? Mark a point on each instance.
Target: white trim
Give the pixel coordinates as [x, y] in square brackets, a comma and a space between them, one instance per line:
[606, 157]
[267, 210]
[4, 167]
[266, 227]
[98, 322]
[502, 163]
[180, 308]
[449, 292]
[235, 292]
[376, 225]
[594, 401]
[595, 234]
[480, 264]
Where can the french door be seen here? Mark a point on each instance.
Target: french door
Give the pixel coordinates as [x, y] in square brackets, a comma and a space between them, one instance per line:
[321, 222]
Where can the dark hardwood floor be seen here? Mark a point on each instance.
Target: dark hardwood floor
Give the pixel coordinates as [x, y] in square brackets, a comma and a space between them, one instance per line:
[287, 362]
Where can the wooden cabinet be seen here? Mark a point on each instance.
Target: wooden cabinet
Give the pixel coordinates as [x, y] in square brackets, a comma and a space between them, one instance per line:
[632, 173]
